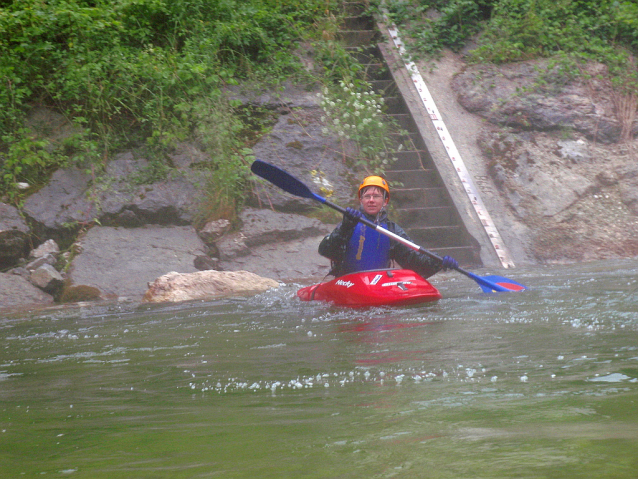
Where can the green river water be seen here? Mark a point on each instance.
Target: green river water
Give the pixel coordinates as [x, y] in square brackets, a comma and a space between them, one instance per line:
[538, 384]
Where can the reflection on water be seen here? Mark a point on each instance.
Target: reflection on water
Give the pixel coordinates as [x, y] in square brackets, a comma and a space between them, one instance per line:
[539, 384]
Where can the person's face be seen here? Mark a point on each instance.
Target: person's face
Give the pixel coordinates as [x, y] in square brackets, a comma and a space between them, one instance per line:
[372, 200]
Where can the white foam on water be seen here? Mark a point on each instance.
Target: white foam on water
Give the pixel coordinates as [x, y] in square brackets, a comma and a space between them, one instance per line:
[270, 346]
[610, 378]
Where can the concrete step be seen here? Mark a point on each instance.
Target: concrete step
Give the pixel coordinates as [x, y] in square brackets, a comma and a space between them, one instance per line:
[415, 178]
[358, 37]
[384, 87]
[353, 9]
[358, 22]
[411, 141]
[405, 121]
[376, 71]
[365, 53]
[415, 197]
[438, 236]
[467, 256]
[410, 160]
[421, 203]
[394, 105]
[429, 215]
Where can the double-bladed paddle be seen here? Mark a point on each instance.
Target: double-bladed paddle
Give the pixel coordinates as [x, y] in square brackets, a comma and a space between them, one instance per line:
[294, 186]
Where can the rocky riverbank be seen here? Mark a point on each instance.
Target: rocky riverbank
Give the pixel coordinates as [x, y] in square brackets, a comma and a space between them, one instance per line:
[116, 237]
[552, 170]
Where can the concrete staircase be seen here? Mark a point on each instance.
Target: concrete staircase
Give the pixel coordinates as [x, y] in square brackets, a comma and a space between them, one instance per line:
[422, 205]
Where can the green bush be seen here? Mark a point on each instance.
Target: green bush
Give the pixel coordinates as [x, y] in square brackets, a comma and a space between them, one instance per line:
[131, 72]
[528, 28]
[436, 24]
[27, 158]
[514, 30]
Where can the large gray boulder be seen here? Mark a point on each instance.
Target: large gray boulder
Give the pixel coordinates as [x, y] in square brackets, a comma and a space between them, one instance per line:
[116, 262]
[278, 245]
[19, 292]
[299, 144]
[171, 201]
[47, 278]
[513, 95]
[289, 261]
[62, 206]
[259, 227]
[629, 187]
[14, 236]
[290, 97]
[73, 199]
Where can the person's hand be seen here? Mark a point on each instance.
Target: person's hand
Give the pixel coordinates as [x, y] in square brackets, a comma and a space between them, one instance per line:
[449, 263]
[350, 218]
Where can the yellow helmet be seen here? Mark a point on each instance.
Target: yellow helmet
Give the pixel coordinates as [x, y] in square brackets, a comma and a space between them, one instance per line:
[375, 181]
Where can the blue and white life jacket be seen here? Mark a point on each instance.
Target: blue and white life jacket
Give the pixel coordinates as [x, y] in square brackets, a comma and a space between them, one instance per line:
[366, 250]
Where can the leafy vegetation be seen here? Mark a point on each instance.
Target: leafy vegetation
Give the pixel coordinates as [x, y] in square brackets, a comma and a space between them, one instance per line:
[132, 72]
[436, 24]
[154, 72]
[601, 30]
[512, 30]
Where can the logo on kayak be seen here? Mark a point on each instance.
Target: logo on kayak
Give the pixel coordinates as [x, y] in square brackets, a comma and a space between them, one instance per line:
[397, 283]
[347, 284]
[376, 279]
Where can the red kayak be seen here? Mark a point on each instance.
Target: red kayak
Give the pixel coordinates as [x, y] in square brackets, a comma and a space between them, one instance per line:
[385, 287]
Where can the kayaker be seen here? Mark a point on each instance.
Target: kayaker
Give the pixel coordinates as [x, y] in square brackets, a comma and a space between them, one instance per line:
[352, 246]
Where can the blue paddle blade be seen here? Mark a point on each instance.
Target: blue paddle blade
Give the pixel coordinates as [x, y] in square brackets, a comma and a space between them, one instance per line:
[493, 283]
[506, 283]
[283, 180]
